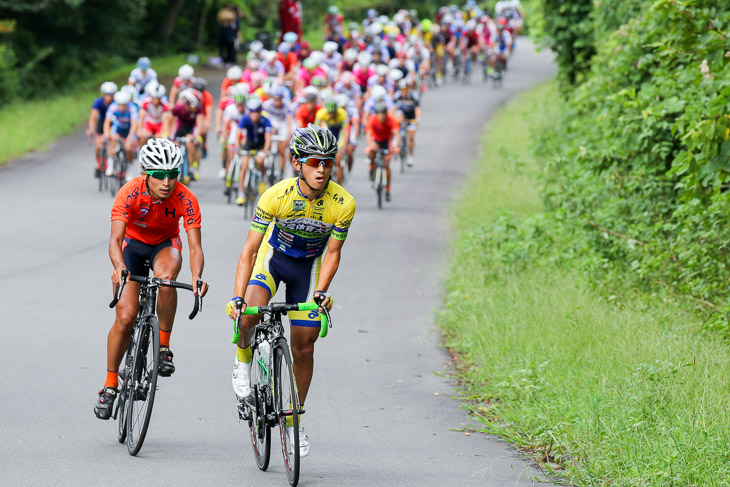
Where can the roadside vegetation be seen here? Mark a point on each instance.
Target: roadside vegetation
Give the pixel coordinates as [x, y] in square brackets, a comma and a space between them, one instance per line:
[34, 124]
[602, 385]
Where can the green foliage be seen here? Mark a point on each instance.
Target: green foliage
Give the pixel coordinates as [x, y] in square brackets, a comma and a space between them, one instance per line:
[603, 388]
[566, 27]
[50, 45]
[638, 163]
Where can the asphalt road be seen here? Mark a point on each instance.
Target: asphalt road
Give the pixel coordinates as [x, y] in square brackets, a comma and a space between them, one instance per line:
[381, 409]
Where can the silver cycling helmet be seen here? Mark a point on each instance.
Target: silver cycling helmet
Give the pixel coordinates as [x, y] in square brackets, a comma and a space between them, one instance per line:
[160, 155]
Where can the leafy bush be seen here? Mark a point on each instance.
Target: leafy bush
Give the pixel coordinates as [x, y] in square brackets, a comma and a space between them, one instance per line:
[639, 164]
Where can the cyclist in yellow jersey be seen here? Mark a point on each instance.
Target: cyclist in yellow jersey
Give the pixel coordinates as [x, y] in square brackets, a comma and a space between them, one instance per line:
[334, 118]
[295, 221]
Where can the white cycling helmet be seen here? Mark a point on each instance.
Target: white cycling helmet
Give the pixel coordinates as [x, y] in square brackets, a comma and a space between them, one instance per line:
[109, 88]
[364, 59]
[269, 56]
[122, 97]
[396, 75]
[155, 89]
[256, 46]
[316, 57]
[234, 73]
[381, 70]
[378, 92]
[394, 63]
[254, 104]
[350, 55]
[186, 71]
[329, 47]
[187, 96]
[160, 155]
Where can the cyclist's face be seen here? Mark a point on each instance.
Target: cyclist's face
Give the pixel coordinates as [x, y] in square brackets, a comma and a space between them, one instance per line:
[382, 116]
[108, 99]
[161, 188]
[255, 117]
[316, 177]
[122, 108]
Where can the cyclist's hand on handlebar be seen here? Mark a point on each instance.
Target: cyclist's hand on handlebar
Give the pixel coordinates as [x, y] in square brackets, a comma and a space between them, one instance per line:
[232, 309]
[203, 287]
[324, 300]
[117, 276]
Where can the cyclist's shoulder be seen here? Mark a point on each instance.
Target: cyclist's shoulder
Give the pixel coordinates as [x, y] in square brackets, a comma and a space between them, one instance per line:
[339, 197]
[130, 193]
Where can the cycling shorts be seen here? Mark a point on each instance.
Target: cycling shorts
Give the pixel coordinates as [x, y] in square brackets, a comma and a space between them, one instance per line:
[300, 276]
[183, 130]
[121, 133]
[153, 128]
[251, 145]
[281, 128]
[136, 253]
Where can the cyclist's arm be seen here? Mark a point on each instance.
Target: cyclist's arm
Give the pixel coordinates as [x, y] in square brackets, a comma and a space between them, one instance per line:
[93, 117]
[246, 262]
[267, 141]
[330, 263]
[196, 259]
[119, 228]
[107, 127]
[142, 116]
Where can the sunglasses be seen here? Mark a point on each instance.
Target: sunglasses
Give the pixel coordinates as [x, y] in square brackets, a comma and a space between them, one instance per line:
[316, 161]
[161, 175]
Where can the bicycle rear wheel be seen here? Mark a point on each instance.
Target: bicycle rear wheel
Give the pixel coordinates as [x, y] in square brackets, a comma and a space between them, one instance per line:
[380, 185]
[258, 427]
[286, 406]
[143, 383]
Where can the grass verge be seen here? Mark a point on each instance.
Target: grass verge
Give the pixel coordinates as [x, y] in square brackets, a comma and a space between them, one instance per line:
[600, 390]
[34, 125]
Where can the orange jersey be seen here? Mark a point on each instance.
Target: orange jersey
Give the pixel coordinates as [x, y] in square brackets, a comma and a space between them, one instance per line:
[150, 221]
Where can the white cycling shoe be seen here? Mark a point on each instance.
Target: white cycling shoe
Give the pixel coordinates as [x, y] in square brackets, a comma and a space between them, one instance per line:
[222, 173]
[303, 441]
[241, 380]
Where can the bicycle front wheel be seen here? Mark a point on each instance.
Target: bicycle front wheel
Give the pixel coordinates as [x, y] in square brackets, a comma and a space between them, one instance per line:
[143, 383]
[380, 185]
[259, 429]
[287, 408]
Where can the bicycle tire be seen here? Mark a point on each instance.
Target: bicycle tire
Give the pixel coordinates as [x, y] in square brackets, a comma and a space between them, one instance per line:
[122, 404]
[273, 169]
[259, 429]
[286, 405]
[251, 191]
[379, 187]
[232, 178]
[403, 150]
[143, 383]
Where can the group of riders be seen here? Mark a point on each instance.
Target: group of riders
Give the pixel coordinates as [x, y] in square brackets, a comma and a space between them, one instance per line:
[309, 106]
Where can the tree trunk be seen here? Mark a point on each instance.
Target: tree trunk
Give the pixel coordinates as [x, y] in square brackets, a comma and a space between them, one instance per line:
[168, 26]
[202, 23]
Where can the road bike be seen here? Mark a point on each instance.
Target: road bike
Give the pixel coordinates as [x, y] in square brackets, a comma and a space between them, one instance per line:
[273, 163]
[119, 168]
[184, 176]
[275, 397]
[404, 144]
[500, 66]
[379, 175]
[138, 375]
[100, 173]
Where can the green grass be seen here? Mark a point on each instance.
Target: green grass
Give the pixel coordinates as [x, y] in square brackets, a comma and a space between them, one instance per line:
[33, 125]
[602, 391]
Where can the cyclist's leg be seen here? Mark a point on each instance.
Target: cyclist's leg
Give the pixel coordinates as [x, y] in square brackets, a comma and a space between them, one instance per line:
[411, 137]
[301, 277]
[166, 264]
[244, 168]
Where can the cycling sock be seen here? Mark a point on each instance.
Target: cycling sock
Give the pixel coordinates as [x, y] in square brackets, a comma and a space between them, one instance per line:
[387, 188]
[244, 354]
[112, 379]
[165, 338]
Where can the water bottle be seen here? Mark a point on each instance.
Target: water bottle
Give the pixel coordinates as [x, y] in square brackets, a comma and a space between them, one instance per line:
[265, 352]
